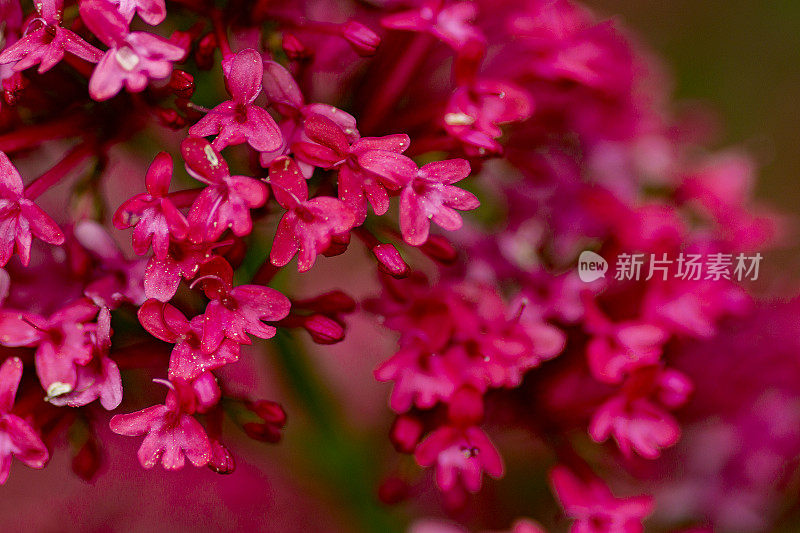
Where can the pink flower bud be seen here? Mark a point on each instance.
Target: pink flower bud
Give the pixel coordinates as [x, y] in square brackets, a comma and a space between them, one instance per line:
[439, 249]
[271, 412]
[262, 432]
[390, 261]
[405, 433]
[362, 40]
[323, 329]
[393, 490]
[294, 49]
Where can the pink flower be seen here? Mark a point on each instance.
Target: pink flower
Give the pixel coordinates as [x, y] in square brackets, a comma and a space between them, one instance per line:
[17, 437]
[20, 218]
[172, 434]
[593, 507]
[284, 94]
[366, 168]
[637, 417]
[132, 59]
[308, 226]
[99, 378]
[152, 12]
[450, 23]
[45, 42]
[235, 311]
[227, 200]
[188, 359]
[430, 197]
[163, 276]
[476, 111]
[239, 120]
[460, 455]
[154, 215]
[61, 339]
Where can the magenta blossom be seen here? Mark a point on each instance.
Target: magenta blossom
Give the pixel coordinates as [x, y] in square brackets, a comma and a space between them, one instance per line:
[152, 12]
[307, 226]
[99, 378]
[132, 59]
[233, 312]
[366, 168]
[460, 455]
[240, 120]
[227, 200]
[172, 433]
[593, 507]
[188, 360]
[154, 215]
[430, 196]
[20, 218]
[45, 42]
[450, 23]
[17, 437]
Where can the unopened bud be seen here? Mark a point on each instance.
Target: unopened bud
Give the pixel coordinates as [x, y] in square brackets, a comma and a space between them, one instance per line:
[405, 433]
[182, 83]
[204, 55]
[295, 50]
[323, 329]
[262, 432]
[362, 40]
[338, 245]
[390, 261]
[439, 249]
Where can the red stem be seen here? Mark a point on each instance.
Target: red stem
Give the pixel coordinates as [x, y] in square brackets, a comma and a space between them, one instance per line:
[61, 169]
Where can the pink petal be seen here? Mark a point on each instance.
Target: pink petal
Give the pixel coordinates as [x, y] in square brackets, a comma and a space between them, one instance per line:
[244, 79]
[10, 375]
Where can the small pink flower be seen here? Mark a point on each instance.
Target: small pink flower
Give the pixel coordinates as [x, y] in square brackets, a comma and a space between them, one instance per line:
[188, 359]
[172, 434]
[132, 59]
[154, 215]
[366, 168]
[45, 42]
[20, 218]
[239, 120]
[430, 196]
[308, 226]
[17, 437]
[163, 276]
[593, 507]
[227, 200]
[448, 22]
[233, 312]
[152, 12]
[475, 112]
[99, 378]
[460, 455]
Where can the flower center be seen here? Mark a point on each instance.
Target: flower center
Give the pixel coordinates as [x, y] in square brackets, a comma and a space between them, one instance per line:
[126, 58]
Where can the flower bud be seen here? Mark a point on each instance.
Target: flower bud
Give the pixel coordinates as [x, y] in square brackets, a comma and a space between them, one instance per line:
[331, 302]
[390, 261]
[182, 83]
[440, 250]
[323, 329]
[269, 411]
[405, 433]
[362, 40]
[295, 50]
[262, 432]
[204, 54]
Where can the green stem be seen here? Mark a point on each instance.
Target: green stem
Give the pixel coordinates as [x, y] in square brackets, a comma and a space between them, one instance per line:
[338, 457]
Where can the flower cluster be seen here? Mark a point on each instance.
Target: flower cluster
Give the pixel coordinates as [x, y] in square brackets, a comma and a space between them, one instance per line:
[387, 122]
